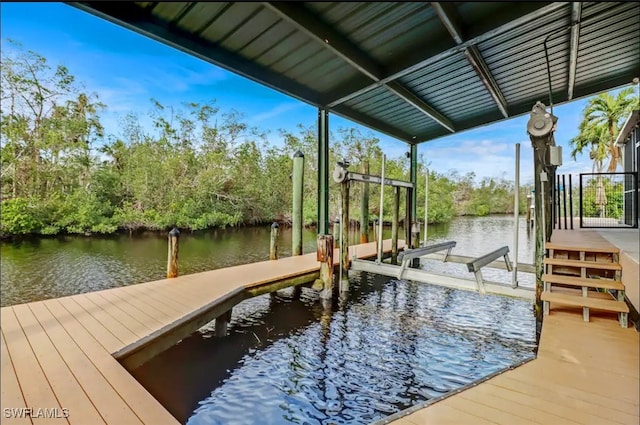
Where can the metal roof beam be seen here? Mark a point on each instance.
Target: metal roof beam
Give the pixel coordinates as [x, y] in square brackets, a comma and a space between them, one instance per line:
[576, 15]
[350, 93]
[310, 24]
[448, 16]
[307, 22]
[415, 101]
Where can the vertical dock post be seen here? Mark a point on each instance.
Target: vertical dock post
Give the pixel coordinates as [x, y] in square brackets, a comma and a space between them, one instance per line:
[516, 217]
[273, 245]
[344, 238]
[426, 206]
[172, 256]
[298, 185]
[379, 258]
[364, 207]
[222, 323]
[394, 225]
[325, 257]
[415, 234]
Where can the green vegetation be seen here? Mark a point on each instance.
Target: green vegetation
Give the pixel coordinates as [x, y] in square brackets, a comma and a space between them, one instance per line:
[199, 168]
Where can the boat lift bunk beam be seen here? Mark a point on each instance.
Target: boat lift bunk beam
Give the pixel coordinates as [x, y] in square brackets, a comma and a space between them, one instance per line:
[474, 265]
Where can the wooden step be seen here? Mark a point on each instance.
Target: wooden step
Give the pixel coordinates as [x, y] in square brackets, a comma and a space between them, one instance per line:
[581, 281]
[578, 263]
[580, 301]
[566, 247]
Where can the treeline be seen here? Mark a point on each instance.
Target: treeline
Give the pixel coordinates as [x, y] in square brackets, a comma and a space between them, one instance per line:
[199, 167]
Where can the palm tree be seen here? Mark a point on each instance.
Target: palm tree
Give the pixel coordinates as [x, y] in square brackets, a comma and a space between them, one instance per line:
[601, 123]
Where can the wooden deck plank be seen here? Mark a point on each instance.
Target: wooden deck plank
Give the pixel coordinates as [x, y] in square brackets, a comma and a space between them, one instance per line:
[62, 380]
[579, 301]
[545, 411]
[102, 334]
[560, 399]
[498, 400]
[35, 388]
[487, 412]
[579, 263]
[444, 415]
[104, 398]
[123, 333]
[580, 281]
[147, 409]
[128, 305]
[585, 240]
[118, 312]
[10, 392]
[147, 305]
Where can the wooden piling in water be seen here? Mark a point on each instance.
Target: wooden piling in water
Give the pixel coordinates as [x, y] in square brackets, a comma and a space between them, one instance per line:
[222, 324]
[325, 257]
[273, 245]
[172, 255]
[344, 245]
[298, 187]
[336, 232]
[394, 225]
[364, 207]
[415, 234]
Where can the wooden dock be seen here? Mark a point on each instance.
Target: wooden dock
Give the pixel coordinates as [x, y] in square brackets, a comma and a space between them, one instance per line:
[63, 359]
[585, 373]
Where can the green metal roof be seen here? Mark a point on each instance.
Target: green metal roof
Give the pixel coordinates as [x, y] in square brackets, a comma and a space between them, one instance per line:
[415, 71]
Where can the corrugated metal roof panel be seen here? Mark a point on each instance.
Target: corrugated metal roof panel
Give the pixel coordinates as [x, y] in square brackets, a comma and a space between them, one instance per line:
[200, 16]
[273, 45]
[231, 18]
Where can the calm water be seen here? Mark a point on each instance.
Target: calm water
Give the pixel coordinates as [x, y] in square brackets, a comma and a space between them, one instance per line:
[48, 268]
[388, 345]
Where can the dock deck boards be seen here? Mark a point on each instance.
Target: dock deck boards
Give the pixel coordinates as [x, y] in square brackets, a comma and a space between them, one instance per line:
[585, 373]
[59, 353]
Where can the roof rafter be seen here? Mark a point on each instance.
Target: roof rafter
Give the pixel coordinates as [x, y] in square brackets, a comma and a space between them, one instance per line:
[311, 25]
[433, 58]
[449, 18]
[576, 15]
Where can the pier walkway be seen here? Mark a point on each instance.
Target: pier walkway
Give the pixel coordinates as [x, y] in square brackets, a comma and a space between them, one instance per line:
[60, 357]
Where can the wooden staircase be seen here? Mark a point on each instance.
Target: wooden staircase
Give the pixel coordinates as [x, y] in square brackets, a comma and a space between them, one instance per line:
[583, 276]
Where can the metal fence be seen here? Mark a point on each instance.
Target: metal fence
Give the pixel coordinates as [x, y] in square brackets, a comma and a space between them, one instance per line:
[609, 200]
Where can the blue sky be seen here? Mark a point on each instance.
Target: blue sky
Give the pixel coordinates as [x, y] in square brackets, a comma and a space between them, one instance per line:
[126, 70]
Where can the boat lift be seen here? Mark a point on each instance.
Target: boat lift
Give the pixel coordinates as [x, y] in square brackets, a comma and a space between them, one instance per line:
[474, 265]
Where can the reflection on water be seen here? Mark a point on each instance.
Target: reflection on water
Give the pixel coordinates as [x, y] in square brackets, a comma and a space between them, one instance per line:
[388, 346]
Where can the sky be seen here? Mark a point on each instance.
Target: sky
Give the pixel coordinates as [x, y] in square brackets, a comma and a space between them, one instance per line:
[126, 70]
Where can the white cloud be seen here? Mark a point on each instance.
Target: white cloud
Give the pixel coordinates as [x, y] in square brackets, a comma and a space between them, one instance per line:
[276, 111]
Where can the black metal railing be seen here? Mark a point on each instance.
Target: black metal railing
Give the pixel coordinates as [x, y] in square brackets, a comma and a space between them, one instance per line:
[609, 200]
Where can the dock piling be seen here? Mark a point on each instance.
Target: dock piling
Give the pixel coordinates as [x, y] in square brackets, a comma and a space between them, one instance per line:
[222, 323]
[394, 225]
[325, 257]
[273, 246]
[172, 257]
[344, 239]
[298, 187]
[364, 207]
